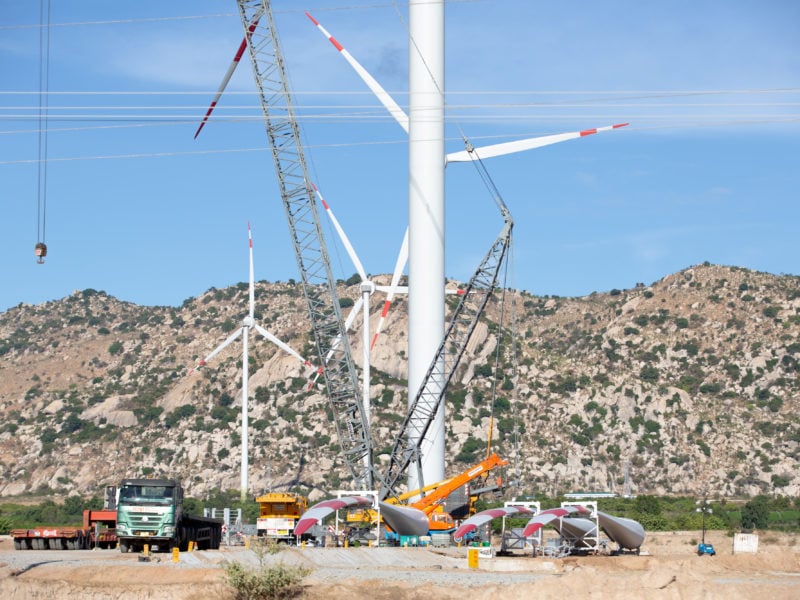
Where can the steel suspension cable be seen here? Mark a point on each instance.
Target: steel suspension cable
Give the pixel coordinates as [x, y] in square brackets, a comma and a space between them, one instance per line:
[44, 98]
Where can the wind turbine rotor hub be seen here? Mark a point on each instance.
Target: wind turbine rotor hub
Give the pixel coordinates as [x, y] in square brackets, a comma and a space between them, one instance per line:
[367, 286]
[248, 322]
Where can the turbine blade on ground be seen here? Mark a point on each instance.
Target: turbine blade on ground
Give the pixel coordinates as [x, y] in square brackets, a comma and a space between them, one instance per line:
[321, 510]
[485, 516]
[547, 516]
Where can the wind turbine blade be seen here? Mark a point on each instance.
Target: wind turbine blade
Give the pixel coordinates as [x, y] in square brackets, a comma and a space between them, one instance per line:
[252, 290]
[343, 236]
[228, 74]
[394, 109]
[520, 145]
[399, 266]
[219, 349]
[282, 345]
[388, 289]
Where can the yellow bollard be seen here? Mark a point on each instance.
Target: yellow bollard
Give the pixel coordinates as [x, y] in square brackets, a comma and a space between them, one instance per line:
[247, 542]
[345, 542]
[472, 558]
[146, 550]
[191, 545]
[176, 554]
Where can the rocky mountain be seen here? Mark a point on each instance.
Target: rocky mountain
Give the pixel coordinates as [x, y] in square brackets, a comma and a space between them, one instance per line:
[690, 385]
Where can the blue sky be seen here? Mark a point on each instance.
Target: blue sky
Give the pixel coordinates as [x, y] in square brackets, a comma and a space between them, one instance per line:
[708, 170]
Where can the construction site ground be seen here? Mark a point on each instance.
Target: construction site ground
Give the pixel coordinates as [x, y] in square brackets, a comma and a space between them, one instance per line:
[668, 567]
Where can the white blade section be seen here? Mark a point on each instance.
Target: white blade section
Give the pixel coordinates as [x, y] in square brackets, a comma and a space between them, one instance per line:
[283, 346]
[399, 267]
[228, 74]
[342, 235]
[348, 325]
[388, 289]
[220, 348]
[394, 109]
[521, 145]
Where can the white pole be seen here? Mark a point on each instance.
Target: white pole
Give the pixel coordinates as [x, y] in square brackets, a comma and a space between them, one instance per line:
[426, 214]
[245, 393]
[366, 289]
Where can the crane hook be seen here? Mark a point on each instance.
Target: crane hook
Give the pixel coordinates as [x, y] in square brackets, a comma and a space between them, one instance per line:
[40, 251]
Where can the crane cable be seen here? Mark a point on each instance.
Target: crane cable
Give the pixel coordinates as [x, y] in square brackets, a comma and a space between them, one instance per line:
[44, 88]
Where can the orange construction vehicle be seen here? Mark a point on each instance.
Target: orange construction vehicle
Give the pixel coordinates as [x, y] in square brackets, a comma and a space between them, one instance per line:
[278, 516]
[433, 503]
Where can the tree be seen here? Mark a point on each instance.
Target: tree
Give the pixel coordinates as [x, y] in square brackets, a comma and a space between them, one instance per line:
[755, 513]
[648, 505]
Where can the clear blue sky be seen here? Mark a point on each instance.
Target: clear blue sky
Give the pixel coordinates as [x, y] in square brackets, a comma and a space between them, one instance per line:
[708, 170]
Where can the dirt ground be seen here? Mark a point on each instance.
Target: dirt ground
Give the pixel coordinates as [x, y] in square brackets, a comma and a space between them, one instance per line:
[668, 568]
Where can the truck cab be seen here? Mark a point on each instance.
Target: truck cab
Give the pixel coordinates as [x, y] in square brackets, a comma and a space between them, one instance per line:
[148, 511]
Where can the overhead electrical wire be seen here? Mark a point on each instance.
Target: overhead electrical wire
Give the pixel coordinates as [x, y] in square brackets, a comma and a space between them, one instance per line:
[132, 20]
[350, 144]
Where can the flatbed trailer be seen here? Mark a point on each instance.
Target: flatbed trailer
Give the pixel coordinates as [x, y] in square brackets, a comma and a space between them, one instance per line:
[97, 531]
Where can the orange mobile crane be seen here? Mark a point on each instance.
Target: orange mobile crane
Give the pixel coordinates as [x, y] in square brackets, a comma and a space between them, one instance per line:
[433, 503]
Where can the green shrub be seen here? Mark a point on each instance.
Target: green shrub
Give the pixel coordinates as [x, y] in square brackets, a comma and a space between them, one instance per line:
[264, 583]
[5, 525]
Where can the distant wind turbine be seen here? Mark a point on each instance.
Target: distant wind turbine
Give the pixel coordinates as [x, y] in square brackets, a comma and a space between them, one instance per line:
[248, 323]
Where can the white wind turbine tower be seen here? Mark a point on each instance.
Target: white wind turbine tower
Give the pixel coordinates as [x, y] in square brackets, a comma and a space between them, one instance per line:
[427, 160]
[248, 323]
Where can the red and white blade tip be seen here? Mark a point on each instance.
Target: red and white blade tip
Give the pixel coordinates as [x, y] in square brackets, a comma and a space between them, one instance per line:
[229, 73]
[331, 39]
[596, 129]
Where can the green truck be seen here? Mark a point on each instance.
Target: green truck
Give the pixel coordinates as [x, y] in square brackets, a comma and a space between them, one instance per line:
[150, 511]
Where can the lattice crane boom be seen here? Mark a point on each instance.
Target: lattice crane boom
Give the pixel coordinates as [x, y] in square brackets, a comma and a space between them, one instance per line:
[319, 285]
[422, 410]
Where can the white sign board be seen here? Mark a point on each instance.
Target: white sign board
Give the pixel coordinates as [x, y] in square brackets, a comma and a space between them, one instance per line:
[745, 543]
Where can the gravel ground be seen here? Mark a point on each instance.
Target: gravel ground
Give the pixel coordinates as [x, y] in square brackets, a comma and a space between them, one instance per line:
[669, 569]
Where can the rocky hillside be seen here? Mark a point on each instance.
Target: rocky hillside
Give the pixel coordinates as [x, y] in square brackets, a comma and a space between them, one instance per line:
[690, 385]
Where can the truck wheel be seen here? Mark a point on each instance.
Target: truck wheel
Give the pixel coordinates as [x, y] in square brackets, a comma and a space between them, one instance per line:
[124, 547]
[17, 544]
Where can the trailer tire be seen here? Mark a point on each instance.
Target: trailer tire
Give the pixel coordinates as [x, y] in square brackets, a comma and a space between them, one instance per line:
[71, 545]
[17, 544]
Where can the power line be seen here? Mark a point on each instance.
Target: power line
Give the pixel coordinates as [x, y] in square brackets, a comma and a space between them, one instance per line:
[643, 93]
[375, 143]
[134, 20]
